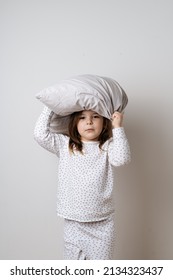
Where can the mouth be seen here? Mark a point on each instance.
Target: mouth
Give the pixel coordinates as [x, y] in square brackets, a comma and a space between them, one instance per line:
[89, 129]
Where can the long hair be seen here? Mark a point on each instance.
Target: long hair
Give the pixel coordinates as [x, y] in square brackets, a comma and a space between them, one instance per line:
[75, 139]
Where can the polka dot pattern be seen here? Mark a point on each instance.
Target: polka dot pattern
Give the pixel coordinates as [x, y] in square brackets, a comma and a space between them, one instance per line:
[85, 181]
[89, 241]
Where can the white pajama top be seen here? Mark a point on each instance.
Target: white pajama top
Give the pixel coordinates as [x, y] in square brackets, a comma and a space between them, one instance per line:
[85, 181]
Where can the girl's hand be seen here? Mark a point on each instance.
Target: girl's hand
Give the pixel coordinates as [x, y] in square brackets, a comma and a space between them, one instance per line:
[117, 119]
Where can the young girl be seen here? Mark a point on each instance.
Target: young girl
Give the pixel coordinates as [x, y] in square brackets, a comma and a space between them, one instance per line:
[85, 180]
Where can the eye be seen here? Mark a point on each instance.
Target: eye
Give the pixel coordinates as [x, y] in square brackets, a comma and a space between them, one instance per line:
[96, 116]
[81, 118]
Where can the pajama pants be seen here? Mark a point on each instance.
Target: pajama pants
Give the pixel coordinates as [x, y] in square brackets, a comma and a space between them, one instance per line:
[89, 240]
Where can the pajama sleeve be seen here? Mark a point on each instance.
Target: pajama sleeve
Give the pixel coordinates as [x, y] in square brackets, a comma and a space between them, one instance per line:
[119, 150]
[42, 134]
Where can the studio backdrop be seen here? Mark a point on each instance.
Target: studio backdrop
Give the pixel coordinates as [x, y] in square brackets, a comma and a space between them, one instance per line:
[43, 42]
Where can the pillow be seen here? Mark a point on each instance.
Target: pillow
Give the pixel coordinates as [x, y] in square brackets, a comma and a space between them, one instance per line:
[85, 92]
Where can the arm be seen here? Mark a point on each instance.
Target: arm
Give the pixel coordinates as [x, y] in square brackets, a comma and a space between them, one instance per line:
[119, 150]
[48, 140]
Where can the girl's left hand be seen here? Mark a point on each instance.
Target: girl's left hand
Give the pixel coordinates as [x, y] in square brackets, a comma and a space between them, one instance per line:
[117, 119]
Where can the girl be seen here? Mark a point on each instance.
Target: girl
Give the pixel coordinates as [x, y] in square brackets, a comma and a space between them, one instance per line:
[85, 180]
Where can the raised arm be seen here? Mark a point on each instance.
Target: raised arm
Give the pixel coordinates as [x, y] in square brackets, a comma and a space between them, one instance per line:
[119, 149]
[42, 134]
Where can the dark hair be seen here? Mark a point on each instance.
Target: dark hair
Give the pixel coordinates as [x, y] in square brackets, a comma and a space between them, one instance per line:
[75, 139]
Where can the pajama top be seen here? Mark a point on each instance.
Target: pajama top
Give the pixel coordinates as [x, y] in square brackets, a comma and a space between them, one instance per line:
[85, 181]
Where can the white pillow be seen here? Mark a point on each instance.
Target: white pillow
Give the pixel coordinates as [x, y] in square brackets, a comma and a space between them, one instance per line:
[85, 92]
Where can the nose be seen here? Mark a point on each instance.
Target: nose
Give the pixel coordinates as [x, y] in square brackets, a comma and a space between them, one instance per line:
[89, 121]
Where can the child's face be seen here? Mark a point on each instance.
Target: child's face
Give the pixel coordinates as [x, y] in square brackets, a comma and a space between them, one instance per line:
[90, 125]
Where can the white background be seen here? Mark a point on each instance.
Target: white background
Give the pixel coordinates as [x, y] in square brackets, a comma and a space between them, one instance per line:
[44, 41]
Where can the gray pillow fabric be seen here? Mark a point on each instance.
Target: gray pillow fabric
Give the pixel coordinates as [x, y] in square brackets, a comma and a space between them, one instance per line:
[85, 92]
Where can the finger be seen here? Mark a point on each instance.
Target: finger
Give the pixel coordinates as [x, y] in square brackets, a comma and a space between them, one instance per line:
[117, 115]
[116, 112]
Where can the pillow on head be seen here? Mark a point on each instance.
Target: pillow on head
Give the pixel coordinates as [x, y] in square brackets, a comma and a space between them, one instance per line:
[85, 92]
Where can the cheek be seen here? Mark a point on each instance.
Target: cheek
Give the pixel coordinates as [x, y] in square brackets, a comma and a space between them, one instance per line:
[100, 125]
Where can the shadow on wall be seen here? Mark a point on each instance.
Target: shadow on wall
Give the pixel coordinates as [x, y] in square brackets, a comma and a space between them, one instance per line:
[129, 204]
